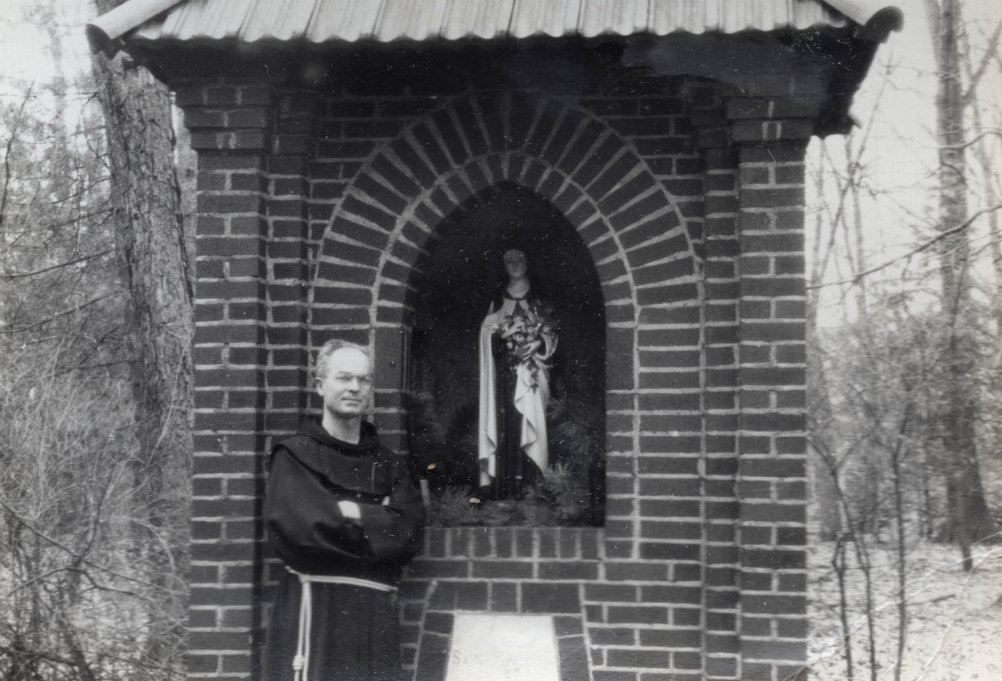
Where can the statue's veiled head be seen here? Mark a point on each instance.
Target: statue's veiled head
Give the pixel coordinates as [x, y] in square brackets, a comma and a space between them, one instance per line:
[515, 264]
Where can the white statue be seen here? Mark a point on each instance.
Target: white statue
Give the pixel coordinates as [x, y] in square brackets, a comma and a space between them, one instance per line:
[517, 337]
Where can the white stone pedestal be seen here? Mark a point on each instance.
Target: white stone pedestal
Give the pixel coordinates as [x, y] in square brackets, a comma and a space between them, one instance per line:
[492, 647]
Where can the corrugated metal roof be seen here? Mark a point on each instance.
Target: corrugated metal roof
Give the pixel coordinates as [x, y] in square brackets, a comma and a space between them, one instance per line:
[388, 20]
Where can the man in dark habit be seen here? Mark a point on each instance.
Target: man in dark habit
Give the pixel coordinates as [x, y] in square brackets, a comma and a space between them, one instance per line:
[344, 515]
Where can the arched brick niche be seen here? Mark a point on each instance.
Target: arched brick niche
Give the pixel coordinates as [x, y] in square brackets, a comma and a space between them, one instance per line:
[562, 153]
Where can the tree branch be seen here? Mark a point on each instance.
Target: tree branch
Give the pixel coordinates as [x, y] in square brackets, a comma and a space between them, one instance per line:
[73, 553]
[993, 44]
[63, 313]
[19, 275]
[973, 141]
[918, 249]
[6, 156]
[48, 657]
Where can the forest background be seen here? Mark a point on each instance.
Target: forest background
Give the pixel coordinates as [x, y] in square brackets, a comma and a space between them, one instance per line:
[904, 333]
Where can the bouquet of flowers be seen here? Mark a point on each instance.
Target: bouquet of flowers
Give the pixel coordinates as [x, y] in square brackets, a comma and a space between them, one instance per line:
[524, 328]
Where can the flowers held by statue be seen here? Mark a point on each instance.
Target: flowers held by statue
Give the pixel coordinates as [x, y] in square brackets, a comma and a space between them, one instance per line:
[524, 333]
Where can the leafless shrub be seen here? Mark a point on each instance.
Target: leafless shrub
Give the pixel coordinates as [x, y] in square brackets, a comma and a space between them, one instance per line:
[74, 563]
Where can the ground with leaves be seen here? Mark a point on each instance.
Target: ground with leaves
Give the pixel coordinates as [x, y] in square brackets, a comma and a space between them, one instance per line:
[954, 621]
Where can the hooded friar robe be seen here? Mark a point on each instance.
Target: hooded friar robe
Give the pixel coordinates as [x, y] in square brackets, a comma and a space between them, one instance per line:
[334, 616]
[512, 441]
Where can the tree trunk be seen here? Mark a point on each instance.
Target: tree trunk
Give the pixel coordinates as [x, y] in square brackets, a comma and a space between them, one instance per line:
[154, 250]
[969, 516]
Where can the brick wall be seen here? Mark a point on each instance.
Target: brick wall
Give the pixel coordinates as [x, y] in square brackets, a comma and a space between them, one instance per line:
[772, 366]
[554, 571]
[313, 208]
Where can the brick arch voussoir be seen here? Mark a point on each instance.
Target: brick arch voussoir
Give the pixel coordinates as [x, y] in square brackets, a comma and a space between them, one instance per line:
[481, 176]
[606, 167]
[561, 152]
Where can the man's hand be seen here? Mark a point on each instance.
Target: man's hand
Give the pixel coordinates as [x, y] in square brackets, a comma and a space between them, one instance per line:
[350, 510]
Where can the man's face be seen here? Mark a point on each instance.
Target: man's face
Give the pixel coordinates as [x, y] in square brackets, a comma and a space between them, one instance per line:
[347, 385]
[514, 264]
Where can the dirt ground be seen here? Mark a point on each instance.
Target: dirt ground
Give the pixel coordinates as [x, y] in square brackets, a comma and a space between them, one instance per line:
[954, 621]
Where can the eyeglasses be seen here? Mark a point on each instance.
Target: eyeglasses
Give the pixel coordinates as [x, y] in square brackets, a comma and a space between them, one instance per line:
[364, 380]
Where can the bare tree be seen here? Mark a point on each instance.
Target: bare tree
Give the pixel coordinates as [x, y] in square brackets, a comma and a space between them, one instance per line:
[83, 581]
[970, 518]
[154, 248]
[890, 421]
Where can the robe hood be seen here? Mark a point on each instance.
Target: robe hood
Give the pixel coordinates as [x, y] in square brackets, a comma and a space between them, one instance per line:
[368, 441]
[357, 467]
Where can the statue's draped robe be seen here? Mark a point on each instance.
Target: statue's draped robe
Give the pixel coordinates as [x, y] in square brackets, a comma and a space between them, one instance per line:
[512, 442]
[354, 630]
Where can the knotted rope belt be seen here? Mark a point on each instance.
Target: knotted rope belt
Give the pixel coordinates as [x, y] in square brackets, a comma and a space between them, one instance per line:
[301, 662]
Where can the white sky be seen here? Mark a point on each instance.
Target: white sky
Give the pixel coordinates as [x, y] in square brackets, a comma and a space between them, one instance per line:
[24, 51]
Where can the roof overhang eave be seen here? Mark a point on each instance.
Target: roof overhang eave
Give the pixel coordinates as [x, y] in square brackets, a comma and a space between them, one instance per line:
[109, 32]
[875, 22]
[105, 33]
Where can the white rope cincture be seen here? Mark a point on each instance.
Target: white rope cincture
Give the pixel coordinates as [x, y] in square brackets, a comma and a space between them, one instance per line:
[301, 661]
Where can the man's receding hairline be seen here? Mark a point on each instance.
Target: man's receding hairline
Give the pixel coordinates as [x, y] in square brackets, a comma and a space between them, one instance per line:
[360, 351]
[322, 363]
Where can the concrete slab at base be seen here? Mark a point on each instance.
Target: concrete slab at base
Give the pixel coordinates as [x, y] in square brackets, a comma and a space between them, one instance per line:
[489, 647]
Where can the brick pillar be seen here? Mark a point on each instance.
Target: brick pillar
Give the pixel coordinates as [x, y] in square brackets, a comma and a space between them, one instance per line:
[291, 248]
[230, 131]
[720, 398]
[771, 374]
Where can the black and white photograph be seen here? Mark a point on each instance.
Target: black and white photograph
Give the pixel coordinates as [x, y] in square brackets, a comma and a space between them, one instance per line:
[500, 340]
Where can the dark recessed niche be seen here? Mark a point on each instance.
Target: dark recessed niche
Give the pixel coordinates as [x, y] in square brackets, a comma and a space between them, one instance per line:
[451, 288]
